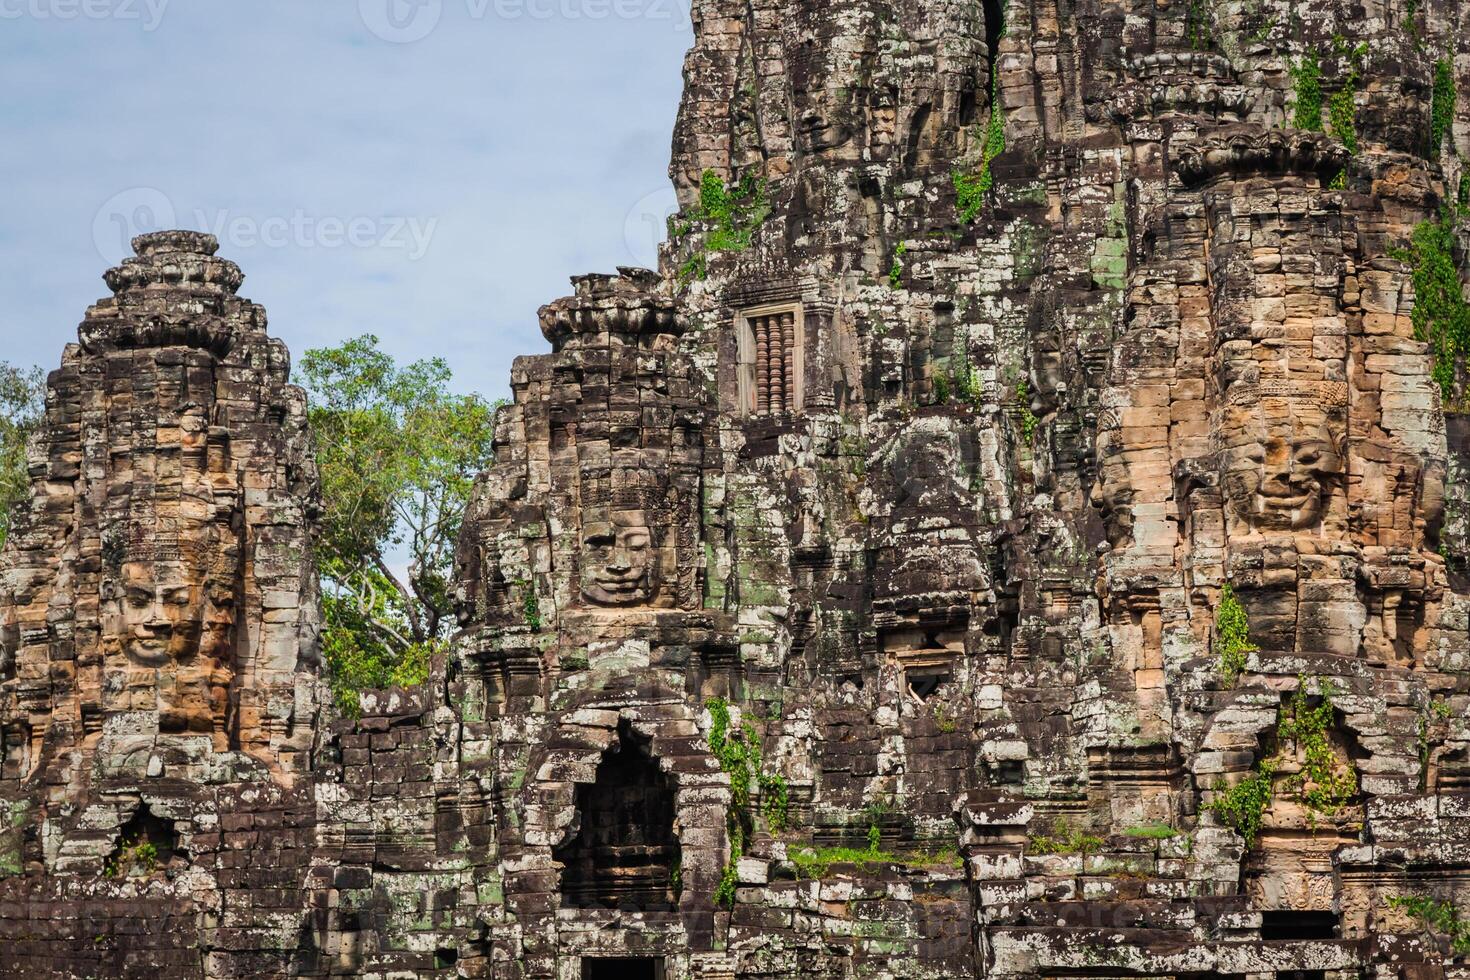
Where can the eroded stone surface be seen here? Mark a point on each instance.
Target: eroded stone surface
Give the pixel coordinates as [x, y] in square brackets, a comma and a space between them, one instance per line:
[947, 525]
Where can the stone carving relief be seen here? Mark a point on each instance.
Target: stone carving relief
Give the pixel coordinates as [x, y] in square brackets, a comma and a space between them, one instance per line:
[607, 432]
[183, 408]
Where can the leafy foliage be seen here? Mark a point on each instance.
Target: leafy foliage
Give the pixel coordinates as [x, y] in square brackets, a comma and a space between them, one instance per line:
[1441, 316]
[1436, 916]
[941, 388]
[1197, 28]
[398, 454]
[1307, 100]
[1029, 421]
[1243, 805]
[963, 381]
[1324, 784]
[971, 189]
[22, 400]
[895, 272]
[1342, 108]
[738, 750]
[1442, 105]
[140, 854]
[1063, 839]
[731, 215]
[1232, 635]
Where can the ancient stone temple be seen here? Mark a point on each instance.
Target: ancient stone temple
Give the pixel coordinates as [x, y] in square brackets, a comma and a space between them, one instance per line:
[1020, 531]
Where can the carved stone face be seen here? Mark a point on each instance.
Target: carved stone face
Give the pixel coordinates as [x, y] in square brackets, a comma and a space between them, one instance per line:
[1113, 495]
[163, 612]
[822, 125]
[1282, 484]
[618, 562]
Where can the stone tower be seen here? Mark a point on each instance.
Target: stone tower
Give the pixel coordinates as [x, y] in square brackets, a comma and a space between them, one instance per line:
[1019, 531]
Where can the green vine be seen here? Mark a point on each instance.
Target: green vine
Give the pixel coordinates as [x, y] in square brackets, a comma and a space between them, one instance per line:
[1232, 635]
[729, 878]
[1243, 805]
[775, 802]
[1441, 316]
[739, 753]
[1307, 105]
[1324, 785]
[1436, 916]
[963, 380]
[895, 272]
[1441, 106]
[1029, 421]
[1198, 26]
[530, 606]
[1342, 108]
[971, 189]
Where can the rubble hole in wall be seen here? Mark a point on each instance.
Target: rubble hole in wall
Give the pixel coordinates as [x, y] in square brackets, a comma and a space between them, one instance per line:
[145, 844]
[923, 682]
[623, 968]
[623, 852]
[1298, 925]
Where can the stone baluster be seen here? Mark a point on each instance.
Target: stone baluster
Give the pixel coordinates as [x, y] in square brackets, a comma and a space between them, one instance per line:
[778, 365]
[761, 326]
[788, 358]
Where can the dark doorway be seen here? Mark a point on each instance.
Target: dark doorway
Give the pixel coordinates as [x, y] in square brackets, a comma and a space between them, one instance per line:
[1298, 925]
[624, 853]
[646, 968]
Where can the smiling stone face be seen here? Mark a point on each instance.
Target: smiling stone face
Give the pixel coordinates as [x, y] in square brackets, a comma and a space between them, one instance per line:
[163, 611]
[619, 562]
[1281, 483]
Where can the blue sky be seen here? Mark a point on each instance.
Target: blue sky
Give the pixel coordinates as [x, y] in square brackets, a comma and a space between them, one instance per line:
[427, 170]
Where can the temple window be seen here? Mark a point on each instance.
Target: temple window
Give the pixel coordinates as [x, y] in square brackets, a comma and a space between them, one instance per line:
[926, 654]
[770, 341]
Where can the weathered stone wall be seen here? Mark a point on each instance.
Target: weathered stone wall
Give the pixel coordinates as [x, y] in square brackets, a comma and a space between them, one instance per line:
[853, 595]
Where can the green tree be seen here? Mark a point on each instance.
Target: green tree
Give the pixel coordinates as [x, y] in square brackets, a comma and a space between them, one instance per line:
[398, 454]
[22, 400]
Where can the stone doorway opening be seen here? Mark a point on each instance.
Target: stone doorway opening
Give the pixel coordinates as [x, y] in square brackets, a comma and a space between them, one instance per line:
[623, 853]
[623, 968]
